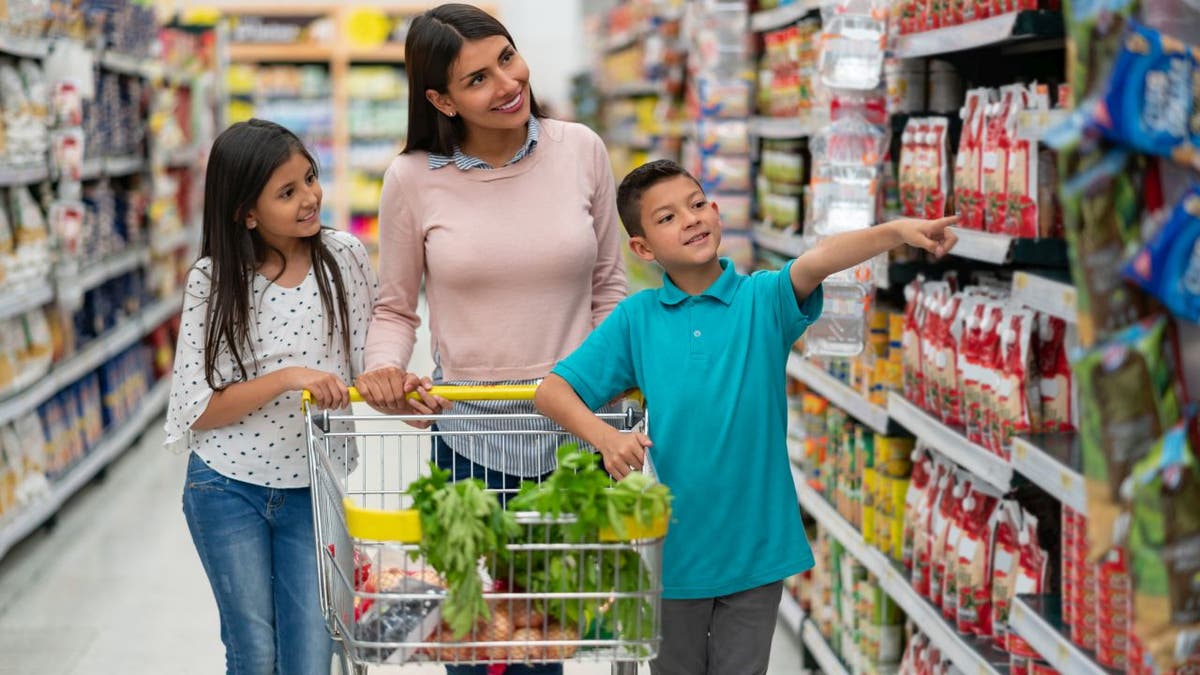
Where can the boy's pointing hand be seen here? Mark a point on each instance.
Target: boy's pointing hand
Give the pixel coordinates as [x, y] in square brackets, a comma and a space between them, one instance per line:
[931, 235]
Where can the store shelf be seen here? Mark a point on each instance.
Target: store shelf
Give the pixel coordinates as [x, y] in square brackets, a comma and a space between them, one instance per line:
[23, 175]
[173, 241]
[782, 127]
[1050, 462]
[970, 655]
[23, 47]
[630, 89]
[1000, 249]
[283, 53]
[1038, 620]
[81, 280]
[622, 41]
[1003, 28]
[822, 653]
[950, 442]
[839, 394]
[1048, 296]
[124, 166]
[387, 53]
[784, 243]
[125, 64]
[98, 351]
[782, 16]
[791, 614]
[115, 442]
[182, 158]
[25, 298]
[92, 169]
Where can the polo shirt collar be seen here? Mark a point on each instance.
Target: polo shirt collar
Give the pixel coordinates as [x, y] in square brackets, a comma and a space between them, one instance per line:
[722, 289]
[467, 162]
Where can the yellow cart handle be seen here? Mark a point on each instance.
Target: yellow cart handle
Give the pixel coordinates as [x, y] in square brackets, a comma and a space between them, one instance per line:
[499, 392]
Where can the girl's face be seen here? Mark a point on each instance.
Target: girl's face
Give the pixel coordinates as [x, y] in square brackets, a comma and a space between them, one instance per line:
[488, 86]
[289, 207]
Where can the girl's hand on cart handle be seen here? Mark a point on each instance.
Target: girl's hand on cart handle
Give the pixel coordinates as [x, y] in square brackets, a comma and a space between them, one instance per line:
[328, 390]
[624, 452]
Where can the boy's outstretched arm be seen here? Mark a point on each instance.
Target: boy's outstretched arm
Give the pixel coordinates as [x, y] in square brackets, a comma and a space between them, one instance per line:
[623, 452]
[842, 251]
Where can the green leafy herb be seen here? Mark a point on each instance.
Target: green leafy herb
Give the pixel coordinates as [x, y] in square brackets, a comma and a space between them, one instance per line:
[461, 523]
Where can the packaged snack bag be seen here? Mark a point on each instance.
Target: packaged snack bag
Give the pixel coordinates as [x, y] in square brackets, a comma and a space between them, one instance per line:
[943, 526]
[1101, 210]
[918, 495]
[937, 194]
[1021, 212]
[1168, 266]
[991, 357]
[1006, 552]
[994, 158]
[1153, 97]
[964, 494]
[1164, 540]
[937, 295]
[914, 318]
[1117, 429]
[909, 175]
[969, 368]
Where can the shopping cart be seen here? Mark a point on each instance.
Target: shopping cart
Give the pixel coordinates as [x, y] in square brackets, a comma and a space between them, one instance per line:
[382, 602]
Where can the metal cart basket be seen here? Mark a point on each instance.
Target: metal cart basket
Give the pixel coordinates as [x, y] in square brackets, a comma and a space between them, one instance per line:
[382, 601]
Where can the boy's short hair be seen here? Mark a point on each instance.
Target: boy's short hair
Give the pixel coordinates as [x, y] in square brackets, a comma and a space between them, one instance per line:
[635, 184]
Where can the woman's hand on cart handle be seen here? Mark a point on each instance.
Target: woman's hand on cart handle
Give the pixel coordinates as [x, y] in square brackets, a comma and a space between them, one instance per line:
[624, 452]
[390, 391]
[327, 390]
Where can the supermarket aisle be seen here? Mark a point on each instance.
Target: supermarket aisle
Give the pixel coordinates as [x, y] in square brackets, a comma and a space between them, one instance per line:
[116, 587]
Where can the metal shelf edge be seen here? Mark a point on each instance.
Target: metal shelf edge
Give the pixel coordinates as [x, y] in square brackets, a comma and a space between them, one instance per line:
[950, 443]
[840, 395]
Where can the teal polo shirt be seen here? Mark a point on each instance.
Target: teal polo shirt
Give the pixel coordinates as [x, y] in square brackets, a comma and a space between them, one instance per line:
[713, 370]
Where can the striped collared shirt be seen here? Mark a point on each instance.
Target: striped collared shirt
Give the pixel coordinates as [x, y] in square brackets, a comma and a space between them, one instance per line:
[467, 162]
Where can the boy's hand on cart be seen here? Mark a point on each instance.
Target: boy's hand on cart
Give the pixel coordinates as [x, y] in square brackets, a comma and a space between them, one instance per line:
[328, 390]
[624, 452]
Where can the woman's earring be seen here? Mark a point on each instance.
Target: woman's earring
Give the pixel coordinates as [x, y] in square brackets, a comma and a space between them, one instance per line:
[251, 224]
[451, 114]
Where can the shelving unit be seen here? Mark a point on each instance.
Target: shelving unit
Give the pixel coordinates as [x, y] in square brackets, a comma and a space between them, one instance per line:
[1051, 462]
[782, 127]
[1048, 296]
[971, 655]
[1002, 249]
[116, 441]
[805, 631]
[66, 280]
[786, 244]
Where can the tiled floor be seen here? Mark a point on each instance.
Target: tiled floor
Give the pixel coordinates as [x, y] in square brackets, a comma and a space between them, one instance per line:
[115, 588]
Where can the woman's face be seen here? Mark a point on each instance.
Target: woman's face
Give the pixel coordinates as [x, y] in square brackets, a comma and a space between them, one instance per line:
[488, 86]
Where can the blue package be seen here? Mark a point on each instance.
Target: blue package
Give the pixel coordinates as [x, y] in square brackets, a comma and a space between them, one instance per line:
[1168, 266]
[1153, 101]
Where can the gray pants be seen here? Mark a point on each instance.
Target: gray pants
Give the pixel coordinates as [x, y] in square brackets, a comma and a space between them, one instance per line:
[729, 635]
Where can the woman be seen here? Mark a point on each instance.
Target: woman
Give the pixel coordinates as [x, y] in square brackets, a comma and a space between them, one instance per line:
[510, 220]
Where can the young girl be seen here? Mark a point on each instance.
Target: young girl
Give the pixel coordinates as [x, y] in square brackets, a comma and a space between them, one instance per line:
[275, 305]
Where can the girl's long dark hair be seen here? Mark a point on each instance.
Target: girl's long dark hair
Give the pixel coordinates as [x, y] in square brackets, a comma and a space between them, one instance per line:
[434, 41]
[241, 162]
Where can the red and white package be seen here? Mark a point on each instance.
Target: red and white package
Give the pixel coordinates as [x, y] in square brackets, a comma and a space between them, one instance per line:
[968, 164]
[937, 149]
[922, 481]
[998, 127]
[1018, 378]
[964, 493]
[943, 525]
[990, 362]
[1006, 553]
[914, 316]
[908, 176]
[1054, 375]
[937, 295]
[926, 530]
[974, 561]
[1021, 212]
[1030, 579]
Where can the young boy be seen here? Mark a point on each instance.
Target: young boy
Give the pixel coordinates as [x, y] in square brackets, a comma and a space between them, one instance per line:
[709, 352]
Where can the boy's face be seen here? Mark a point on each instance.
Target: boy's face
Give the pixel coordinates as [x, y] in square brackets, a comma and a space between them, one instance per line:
[682, 228]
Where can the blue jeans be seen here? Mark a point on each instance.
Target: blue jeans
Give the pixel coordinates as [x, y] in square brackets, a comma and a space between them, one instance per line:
[257, 547]
[461, 469]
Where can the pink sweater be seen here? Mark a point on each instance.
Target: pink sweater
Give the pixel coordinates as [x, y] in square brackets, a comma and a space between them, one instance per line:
[520, 263]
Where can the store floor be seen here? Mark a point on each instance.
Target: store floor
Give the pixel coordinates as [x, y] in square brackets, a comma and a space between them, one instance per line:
[115, 587]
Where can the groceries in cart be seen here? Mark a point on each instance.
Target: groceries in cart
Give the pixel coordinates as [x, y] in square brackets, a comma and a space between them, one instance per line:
[416, 566]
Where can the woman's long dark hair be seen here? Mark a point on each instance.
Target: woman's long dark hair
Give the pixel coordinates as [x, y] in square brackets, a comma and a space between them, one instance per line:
[241, 162]
[434, 41]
